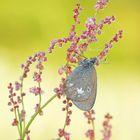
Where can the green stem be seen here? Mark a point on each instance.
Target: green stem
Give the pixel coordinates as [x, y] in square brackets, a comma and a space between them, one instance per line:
[39, 99]
[34, 116]
[66, 115]
[19, 130]
[23, 108]
[93, 127]
[39, 95]
[20, 123]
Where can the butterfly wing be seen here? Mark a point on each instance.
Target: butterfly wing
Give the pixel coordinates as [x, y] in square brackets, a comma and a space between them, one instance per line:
[81, 87]
[87, 104]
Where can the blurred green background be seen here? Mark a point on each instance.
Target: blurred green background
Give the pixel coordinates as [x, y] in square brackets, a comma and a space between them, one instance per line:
[27, 26]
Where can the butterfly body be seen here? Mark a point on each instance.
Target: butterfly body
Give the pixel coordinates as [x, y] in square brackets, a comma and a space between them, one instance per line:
[81, 85]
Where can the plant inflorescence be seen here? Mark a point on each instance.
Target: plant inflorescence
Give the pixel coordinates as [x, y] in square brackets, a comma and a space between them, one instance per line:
[79, 44]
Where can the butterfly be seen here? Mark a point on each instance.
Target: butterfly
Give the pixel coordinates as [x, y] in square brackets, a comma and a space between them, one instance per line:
[81, 85]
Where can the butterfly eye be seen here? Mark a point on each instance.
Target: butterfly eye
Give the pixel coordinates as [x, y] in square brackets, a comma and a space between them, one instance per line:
[88, 89]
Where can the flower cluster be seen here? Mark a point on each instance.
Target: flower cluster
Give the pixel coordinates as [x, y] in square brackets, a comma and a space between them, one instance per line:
[40, 57]
[107, 127]
[80, 43]
[16, 93]
[14, 100]
[59, 90]
[108, 46]
[101, 4]
[90, 134]
[67, 69]
[76, 12]
[90, 116]
[62, 132]
[36, 90]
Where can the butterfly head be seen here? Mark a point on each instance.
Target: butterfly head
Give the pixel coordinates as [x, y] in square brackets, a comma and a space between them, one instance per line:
[89, 62]
[94, 60]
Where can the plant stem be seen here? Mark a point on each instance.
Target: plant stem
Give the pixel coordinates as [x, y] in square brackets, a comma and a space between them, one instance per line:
[39, 85]
[93, 127]
[19, 130]
[20, 123]
[23, 108]
[66, 115]
[34, 116]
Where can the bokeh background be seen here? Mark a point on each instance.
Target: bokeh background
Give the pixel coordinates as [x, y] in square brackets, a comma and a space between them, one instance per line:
[27, 26]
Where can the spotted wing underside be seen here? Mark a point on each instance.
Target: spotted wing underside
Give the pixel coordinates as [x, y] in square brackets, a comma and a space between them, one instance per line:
[81, 86]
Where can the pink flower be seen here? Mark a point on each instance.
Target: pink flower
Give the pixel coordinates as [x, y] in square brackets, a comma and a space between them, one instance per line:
[76, 11]
[59, 91]
[108, 46]
[37, 77]
[67, 136]
[61, 70]
[67, 69]
[28, 137]
[106, 132]
[90, 134]
[42, 56]
[90, 115]
[40, 66]
[17, 86]
[101, 4]
[35, 90]
[62, 133]
[109, 20]
[15, 122]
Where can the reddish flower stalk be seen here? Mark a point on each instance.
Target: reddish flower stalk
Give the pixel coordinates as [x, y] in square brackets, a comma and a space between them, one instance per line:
[80, 43]
[90, 115]
[109, 45]
[106, 132]
[62, 132]
[17, 95]
[101, 4]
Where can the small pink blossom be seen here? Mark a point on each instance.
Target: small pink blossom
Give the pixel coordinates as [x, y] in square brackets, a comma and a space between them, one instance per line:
[60, 42]
[37, 77]
[101, 4]
[67, 136]
[59, 90]
[61, 70]
[41, 56]
[35, 90]
[109, 20]
[28, 137]
[90, 115]
[14, 100]
[40, 66]
[106, 132]
[76, 11]
[15, 122]
[90, 134]
[66, 68]
[109, 45]
[62, 133]
[17, 86]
